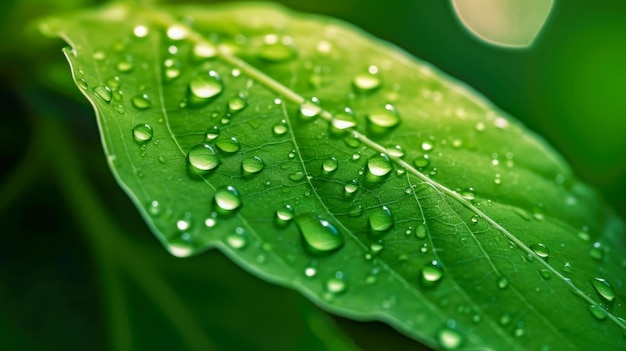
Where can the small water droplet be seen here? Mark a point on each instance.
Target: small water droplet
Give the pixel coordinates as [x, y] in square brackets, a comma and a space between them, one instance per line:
[277, 49]
[104, 93]
[125, 65]
[431, 274]
[598, 312]
[420, 231]
[584, 236]
[213, 133]
[82, 83]
[375, 248]
[379, 165]
[329, 165]
[280, 128]
[229, 146]
[505, 319]
[421, 162]
[227, 199]
[204, 50]
[545, 273]
[297, 176]
[203, 157]
[172, 68]
[519, 330]
[427, 146]
[382, 120]
[336, 285]
[154, 208]
[310, 272]
[141, 102]
[205, 87]
[284, 215]
[367, 81]
[319, 235]
[238, 239]
[183, 224]
[119, 109]
[380, 220]
[541, 250]
[597, 251]
[350, 188]
[449, 336]
[603, 288]
[343, 120]
[395, 151]
[503, 283]
[237, 103]
[142, 133]
[310, 109]
[252, 165]
[177, 32]
[475, 219]
[140, 31]
[469, 194]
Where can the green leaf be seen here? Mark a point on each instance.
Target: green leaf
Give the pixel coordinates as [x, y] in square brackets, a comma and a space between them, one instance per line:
[514, 23]
[330, 162]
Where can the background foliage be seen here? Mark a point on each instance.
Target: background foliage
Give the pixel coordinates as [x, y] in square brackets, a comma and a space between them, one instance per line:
[80, 268]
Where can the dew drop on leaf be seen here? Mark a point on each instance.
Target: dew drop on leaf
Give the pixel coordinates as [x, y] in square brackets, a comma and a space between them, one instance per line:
[284, 215]
[203, 157]
[350, 188]
[603, 288]
[172, 67]
[310, 109]
[427, 146]
[252, 165]
[384, 119]
[141, 102]
[205, 87]
[519, 330]
[329, 165]
[503, 283]
[154, 208]
[204, 50]
[125, 65]
[449, 337]
[395, 151]
[343, 120]
[237, 240]
[469, 194]
[277, 49]
[541, 250]
[104, 93]
[597, 251]
[297, 176]
[142, 133]
[279, 129]
[422, 162]
[420, 231]
[237, 103]
[229, 146]
[336, 284]
[598, 312]
[176, 32]
[379, 165]
[367, 81]
[213, 133]
[319, 235]
[227, 198]
[82, 83]
[310, 272]
[431, 274]
[380, 220]
[375, 248]
[140, 31]
[545, 274]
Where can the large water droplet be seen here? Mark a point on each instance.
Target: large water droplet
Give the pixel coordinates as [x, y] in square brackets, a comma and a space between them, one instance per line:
[229, 146]
[104, 93]
[395, 151]
[431, 274]
[310, 109]
[237, 103]
[252, 165]
[319, 235]
[277, 49]
[420, 231]
[227, 199]
[205, 87]
[603, 288]
[449, 336]
[469, 194]
[367, 81]
[142, 133]
[379, 165]
[598, 312]
[380, 220]
[384, 119]
[329, 165]
[203, 157]
[541, 250]
[141, 102]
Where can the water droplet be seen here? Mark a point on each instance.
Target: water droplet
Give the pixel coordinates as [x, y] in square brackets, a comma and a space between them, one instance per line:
[449, 336]
[297, 176]
[310, 109]
[280, 128]
[238, 239]
[252, 165]
[227, 198]
[142, 133]
[140, 31]
[277, 49]
[469, 194]
[104, 93]
[431, 274]
[382, 120]
[336, 284]
[503, 283]
[395, 151]
[597, 251]
[203, 157]
[380, 220]
[141, 102]
[584, 236]
[183, 224]
[154, 208]
[379, 165]
[541, 250]
[343, 120]
[284, 215]
[475, 219]
[310, 272]
[427, 146]
[125, 65]
[598, 312]
[350, 188]
[329, 165]
[177, 32]
[237, 103]
[375, 248]
[367, 81]
[82, 83]
[505, 319]
[171, 69]
[519, 330]
[119, 109]
[421, 162]
[204, 50]
[420, 231]
[205, 87]
[229, 146]
[603, 288]
[319, 235]
[213, 133]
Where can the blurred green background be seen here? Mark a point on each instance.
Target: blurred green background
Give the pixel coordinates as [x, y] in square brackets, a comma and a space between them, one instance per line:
[79, 268]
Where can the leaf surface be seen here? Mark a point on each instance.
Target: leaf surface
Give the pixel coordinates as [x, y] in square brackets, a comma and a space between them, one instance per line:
[421, 204]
